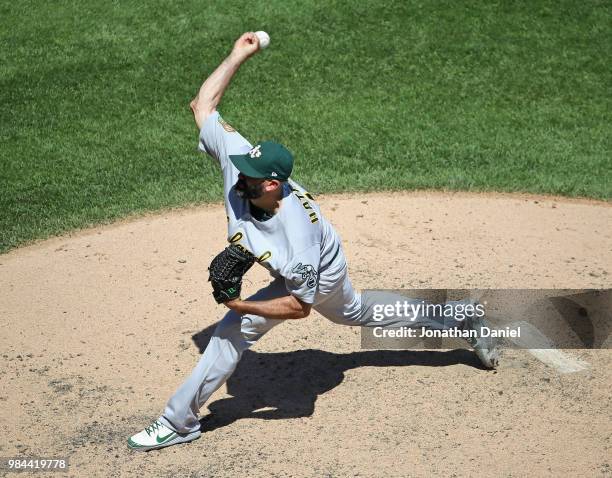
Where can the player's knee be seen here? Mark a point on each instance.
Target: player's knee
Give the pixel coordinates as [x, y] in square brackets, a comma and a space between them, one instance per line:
[229, 327]
[251, 336]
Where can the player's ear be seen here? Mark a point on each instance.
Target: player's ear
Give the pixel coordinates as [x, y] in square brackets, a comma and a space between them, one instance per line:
[273, 185]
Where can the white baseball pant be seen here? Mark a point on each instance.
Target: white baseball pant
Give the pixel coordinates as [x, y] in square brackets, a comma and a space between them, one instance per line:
[235, 333]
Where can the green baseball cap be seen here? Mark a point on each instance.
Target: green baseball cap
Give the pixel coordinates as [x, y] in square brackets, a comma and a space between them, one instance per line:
[266, 160]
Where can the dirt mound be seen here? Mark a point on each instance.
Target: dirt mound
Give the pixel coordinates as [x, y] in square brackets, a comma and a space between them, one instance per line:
[102, 326]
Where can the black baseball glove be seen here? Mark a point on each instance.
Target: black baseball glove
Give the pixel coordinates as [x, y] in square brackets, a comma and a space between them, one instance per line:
[226, 271]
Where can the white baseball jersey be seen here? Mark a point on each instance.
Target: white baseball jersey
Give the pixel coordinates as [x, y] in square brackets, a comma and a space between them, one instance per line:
[297, 243]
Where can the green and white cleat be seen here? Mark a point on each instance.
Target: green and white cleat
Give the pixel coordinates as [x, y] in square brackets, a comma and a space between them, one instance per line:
[486, 348]
[157, 435]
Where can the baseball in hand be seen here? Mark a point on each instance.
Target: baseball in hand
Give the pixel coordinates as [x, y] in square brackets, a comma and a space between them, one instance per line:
[264, 39]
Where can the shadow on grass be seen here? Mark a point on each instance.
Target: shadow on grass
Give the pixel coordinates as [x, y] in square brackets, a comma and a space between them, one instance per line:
[281, 385]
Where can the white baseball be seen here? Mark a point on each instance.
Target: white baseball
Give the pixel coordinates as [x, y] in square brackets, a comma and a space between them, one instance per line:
[264, 39]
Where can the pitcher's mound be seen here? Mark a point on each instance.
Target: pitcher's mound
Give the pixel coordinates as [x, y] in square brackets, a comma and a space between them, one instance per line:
[101, 327]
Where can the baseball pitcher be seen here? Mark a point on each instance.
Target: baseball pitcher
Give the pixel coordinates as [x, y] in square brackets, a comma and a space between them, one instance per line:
[272, 221]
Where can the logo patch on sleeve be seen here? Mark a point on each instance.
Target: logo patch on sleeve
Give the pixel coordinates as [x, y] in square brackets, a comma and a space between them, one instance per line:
[226, 126]
[307, 273]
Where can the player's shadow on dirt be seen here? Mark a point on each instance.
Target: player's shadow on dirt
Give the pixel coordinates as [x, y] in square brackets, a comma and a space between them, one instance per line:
[287, 384]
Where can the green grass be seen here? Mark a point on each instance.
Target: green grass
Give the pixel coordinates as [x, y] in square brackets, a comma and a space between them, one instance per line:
[503, 96]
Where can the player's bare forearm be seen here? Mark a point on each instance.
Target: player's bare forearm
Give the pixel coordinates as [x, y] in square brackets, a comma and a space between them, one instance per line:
[284, 308]
[214, 86]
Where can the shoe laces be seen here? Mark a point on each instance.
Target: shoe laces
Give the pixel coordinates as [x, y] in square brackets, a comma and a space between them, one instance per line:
[153, 427]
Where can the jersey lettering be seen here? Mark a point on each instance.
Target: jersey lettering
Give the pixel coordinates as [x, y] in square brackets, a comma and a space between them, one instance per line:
[235, 238]
[305, 204]
[265, 256]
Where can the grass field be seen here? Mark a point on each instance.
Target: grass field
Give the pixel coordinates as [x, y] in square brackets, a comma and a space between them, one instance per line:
[502, 96]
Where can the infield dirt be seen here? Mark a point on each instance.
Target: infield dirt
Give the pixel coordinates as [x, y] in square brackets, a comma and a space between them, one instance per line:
[99, 329]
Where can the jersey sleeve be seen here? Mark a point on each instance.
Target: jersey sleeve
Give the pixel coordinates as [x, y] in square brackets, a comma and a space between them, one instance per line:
[302, 274]
[220, 140]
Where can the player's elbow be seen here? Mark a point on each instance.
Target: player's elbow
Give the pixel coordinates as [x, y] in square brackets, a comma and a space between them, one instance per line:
[304, 310]
[200, 111]
[299, 309]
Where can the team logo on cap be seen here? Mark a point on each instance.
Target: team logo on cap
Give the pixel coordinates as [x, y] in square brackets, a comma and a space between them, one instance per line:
[255, 152]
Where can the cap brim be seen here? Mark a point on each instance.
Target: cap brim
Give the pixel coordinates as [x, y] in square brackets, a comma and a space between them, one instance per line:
[241, 161]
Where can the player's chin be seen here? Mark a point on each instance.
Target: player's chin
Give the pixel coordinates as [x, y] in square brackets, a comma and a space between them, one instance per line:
[245, 191]
[242, 194]
[241, 188]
